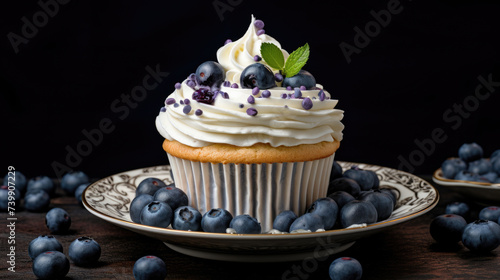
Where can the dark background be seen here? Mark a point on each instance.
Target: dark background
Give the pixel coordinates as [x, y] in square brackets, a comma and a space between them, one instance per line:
[395, 92]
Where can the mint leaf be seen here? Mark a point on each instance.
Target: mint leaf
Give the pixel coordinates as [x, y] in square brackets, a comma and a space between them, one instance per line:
[296, 61]
[272, 55]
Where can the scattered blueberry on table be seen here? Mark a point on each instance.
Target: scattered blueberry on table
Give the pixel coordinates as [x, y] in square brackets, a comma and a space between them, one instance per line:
[150, 268]
[345, 268]
[84, 251]
[51, 265]
[42, 244]
[57, 220]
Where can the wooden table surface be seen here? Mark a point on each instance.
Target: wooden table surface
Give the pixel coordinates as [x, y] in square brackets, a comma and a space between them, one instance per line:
[406, 251]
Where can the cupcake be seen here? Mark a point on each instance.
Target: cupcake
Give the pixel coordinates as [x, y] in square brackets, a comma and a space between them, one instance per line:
[252, 132]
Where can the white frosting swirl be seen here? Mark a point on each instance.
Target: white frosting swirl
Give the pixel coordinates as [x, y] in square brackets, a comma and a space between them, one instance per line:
[280, 119]
[236, 56]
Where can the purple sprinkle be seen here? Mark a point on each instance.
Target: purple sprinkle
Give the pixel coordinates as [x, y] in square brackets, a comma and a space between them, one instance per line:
[190, 83]
[288, 88]
[297, 93]
[290, 95]
[278, 77]
[186, 109]
[260, 32]
[227, 83]
[228, 41]
[235, 85]
[284, 95]
[170, 101]
[252, 112]
[259, 23]
[302, 88]
[242, 105]
[187, 101]
[176, 105]
[182, 102]
[255, 90]
[266, 93]
[321, 95]
[307, 103]
[192, 76]
[178, 85]
[163, 109]
[224, 94]
[251, 99]
[198, 112]
[286, 106]
[257, 58]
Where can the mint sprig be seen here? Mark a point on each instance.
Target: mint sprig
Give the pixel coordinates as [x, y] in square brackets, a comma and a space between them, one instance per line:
[273, 56]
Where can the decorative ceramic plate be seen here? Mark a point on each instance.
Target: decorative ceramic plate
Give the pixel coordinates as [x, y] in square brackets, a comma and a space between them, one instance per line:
[484, 193]
[110, 198]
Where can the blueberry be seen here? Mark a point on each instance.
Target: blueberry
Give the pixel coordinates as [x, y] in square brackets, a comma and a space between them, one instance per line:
[341, 198]
[216, 220]
[447, 228]
[245, 224]
[18, 180]
[84, 251]
[327, 209]
[458, 208]
[42, 244]
[480, 166]
[257, 75]
[495, 165]
[344, 184]
[452, 166]
[36, 201]
[51, 265]
[284, 220]
[495, 154]
[490, 177]
[149, 186]
[465, 175]
[481, 236]
[6, 201]
[336, 171]
[42, 183]
[157, 214]
[150, 268]
[173, 196]
[308, 221]
[187, 218]
[72, 180]
[303, 78]
[393, 193]
[137, 205]
[383, 202]
[211, 74]
[345, 268]
[79, 191]
[470, 151]
[490, 213]
[365, 180]
[357, 212]
[57, 220]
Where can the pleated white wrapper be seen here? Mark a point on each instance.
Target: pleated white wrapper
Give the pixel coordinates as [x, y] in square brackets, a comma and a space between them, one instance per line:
[259, 190]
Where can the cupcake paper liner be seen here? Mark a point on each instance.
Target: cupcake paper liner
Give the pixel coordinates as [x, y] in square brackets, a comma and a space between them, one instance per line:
[259, 190]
